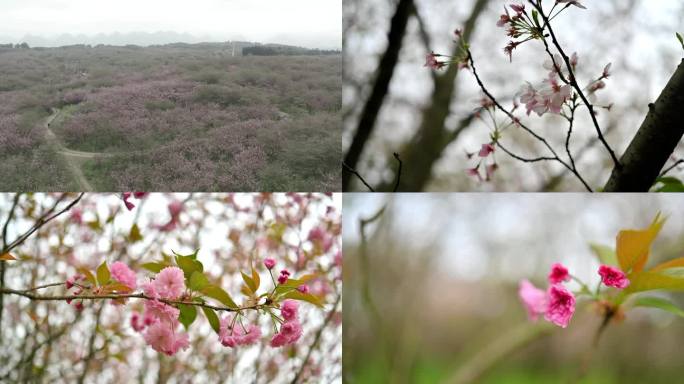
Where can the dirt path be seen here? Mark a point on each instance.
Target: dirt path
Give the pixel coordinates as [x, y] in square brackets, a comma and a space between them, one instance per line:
[72, 158]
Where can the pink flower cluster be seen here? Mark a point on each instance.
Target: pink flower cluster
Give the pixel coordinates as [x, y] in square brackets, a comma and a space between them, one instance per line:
[74, 281]
[613, 277]
[127, 196]
[161, 319]
[291, 329]
[557, 303]
[121, 273]
[284, 275]
[486, 151]
[232, 336]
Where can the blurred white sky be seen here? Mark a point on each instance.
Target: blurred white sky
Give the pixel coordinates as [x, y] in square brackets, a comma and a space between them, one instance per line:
[315, 23]
[514, 236]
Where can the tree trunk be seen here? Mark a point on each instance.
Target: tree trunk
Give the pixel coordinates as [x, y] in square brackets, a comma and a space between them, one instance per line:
[432, 138]
[654, 142]
[376, 99]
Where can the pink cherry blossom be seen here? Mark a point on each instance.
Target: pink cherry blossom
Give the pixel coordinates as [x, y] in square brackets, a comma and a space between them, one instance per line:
[126, 196]
[288, 309]
[533, 298]
[136, 322]
[289, 333]
[170, 283]
[232, 337]
[558, 274]
[121, 273]
[613, 277]
[561, 305]
[284, 275]
[269, 263]
[155, 309]
[162, 338]
[486, 150]
[432, 62]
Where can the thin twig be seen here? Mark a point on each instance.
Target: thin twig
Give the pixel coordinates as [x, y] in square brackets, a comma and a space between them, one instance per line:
[40, 222]
[396, 185]
[114, 296]
[355, 173]
[669, 169]
[317, 338]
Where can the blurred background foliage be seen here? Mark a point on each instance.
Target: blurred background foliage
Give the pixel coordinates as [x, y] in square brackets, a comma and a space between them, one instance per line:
[435, 298]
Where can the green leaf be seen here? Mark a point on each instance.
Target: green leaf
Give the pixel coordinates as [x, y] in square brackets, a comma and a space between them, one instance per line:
[670, 184]
[249, 282]
[535, 17]
[217, 293]
[154, 267]
[198, 281]
[212, 318]
[189, 265]
[188, 314]
[605, 254]
[660, 303]
[649, 280]
[103, 273]
[296, 295]
[89, 275]
[134, 235]
[680, 38]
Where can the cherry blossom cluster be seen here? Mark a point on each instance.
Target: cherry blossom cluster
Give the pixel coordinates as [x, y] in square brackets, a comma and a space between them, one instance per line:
[170, 291]
[557, 303]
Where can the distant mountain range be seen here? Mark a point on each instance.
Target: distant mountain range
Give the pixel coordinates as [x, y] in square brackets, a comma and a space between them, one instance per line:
[145, 39]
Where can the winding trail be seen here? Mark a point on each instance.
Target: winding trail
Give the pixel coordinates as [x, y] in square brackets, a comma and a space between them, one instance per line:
[72, 158]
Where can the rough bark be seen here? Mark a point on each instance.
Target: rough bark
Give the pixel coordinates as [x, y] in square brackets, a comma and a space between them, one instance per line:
[432, 138]
[655, 141]
[376, 99]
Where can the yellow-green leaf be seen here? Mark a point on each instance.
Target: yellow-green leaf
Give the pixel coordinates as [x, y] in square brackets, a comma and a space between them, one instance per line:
[212, 318]
[116, 287]
[296, 295]
[89, 275]
[103, 273]
[660, 303]
[679, 262]
[256, 278]
[134, 235]
[154, 267]
[217, 293]
[7, 257]
[189, 264]
[633, 245]
[649, 280]
[605, 254]
[249, 282]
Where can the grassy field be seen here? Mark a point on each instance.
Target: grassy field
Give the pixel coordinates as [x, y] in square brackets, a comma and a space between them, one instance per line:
[176, 117]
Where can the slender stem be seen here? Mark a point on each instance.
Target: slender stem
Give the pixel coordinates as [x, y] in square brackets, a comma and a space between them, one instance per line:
[673, 166]
[355, 173]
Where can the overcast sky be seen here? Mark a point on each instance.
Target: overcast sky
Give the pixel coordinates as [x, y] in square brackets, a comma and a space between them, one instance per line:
[313, 23]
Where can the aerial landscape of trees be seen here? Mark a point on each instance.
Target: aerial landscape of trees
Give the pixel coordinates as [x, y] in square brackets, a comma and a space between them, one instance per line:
[191, 117]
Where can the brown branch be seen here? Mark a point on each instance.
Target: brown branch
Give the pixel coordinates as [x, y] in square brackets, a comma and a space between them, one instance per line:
[655, 141]
[32, 296]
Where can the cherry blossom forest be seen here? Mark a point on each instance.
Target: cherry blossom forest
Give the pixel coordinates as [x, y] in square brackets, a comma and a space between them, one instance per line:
[177, 117]
[170, 288]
